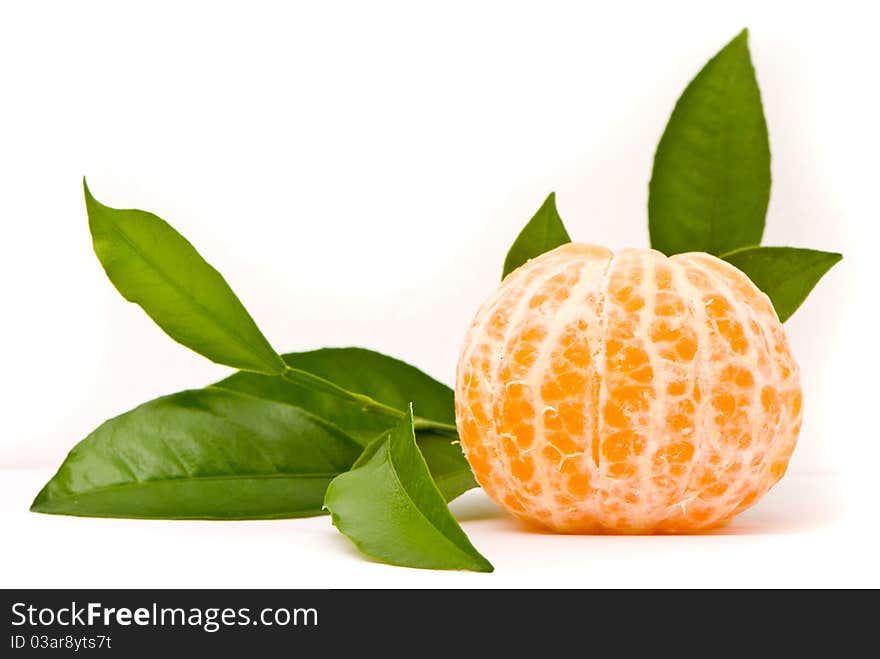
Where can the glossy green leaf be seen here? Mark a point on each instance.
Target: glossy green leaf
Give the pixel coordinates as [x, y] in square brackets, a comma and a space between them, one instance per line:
[711, 181]
[384, 379]
[206, 454]
[543, 232]
[155, 267]
[785, 274]
[390, 508]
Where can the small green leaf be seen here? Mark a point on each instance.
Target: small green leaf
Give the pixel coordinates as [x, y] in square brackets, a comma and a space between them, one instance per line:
[711, 181]
[785, 274]
[384, 379]
[447, 464]
[155, 267]
[390, 508]
[206, 454]
[543, 232]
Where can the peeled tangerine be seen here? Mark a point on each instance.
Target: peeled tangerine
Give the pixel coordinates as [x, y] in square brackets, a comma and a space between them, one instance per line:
[627, 393]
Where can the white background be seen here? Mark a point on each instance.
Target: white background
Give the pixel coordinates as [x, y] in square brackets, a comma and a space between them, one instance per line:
[357, 171]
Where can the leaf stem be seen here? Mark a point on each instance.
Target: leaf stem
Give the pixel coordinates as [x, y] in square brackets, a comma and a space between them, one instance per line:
[437, 426]
[315, 383]
[367, 404]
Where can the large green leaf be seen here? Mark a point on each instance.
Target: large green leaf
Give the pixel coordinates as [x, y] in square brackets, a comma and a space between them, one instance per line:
[155, 267]
[542, 233]
[206, 454]
[785, 274]
[711, 181]
[390, 508]
[387, 380]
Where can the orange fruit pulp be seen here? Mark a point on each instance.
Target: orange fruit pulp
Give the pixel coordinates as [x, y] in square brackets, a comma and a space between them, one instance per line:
[627, 393]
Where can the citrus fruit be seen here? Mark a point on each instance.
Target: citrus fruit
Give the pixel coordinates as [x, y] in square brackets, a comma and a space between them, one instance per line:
[628, 392]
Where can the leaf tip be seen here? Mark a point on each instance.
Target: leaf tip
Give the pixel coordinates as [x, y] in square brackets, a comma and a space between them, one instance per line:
[550, 204]
[484, 566]
[740, 40]
[738, 47]
[38, 504]
[91, 202]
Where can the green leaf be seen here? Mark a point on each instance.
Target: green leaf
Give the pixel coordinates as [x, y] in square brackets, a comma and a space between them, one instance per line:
[543, 232]
[447, 464]
[155, 267]
[390, 508]
[384, 379]
[785, 274]
[711, 182]
[206, 454]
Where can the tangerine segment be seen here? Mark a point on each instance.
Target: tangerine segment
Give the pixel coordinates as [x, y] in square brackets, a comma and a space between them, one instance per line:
[628, 392]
